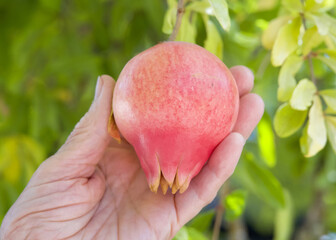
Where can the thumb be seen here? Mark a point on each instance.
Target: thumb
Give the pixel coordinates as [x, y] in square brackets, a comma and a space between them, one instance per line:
[88, 141]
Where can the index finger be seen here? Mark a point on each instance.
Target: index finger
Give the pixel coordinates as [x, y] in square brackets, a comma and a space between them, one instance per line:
[244, 79]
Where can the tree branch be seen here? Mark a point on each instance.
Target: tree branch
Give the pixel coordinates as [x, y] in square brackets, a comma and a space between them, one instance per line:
[179, 15]
[219, 212]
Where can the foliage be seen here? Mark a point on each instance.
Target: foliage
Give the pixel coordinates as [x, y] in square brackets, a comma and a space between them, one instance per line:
[52, 52]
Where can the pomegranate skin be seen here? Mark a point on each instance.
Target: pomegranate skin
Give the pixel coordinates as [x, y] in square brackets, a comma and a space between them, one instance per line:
[174, 103]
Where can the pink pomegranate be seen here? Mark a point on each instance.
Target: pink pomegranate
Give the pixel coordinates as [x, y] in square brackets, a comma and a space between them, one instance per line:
[174, 103]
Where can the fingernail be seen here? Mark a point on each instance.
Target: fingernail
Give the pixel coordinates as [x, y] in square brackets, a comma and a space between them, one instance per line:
[98, 87]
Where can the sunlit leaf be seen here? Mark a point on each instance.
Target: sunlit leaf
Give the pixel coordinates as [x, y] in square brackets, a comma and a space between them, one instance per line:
[284, 219]
[202, 221]
[288, 120]
[213, 42]
[266, 141]
[234, 204]
[188, 30]
[265, 185]
[286, 41]
[314, 136]
[203, 7]
[326, 24]
[302, 96]
[269, 36]
[329, 96]
[329, 61]
[331, 130]
[182, 234]
[188, 233]
[293, 6]
[170, 17]
[286, 79]
[222, 13]
[319, 5]
[311, 39]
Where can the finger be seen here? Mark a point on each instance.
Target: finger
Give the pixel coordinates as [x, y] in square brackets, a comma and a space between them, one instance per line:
[244, 79]
[204, 187]
[251, 109]
[86, 144]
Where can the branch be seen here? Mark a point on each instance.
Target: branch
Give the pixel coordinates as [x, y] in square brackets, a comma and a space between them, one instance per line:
[179, 15]
[219, 212]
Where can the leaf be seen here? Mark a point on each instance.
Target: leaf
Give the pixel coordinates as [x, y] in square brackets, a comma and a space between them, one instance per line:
[169, 17]
[222, 13]
[188, 233]
[234, 204]
[286, 41]
[311, 39]
[286, 79]
[202, 221]
[202, 7]
[293, 6]
[264, 183]
[187, 32]
[325, 24]
[270, 34]
[329, 61]
[331, 131]
[314, 136]
[303, 94]
[266, 141]
[288, 120]
[329, 96]
[213, 42]
[284, 219]
[319, 5]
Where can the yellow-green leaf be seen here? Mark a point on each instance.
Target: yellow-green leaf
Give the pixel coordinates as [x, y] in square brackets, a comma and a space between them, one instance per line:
[170, 17]
[314, 137]
[286, 79]
[202, 7]
[326, 24]
[288, 120]
[266, 141]
[331, 130]
[293, 6]
[302, 96]
[213, 42]
[329, 96]
[188, 31]
[234, 204]
[286, 41]
[270, 34]
[329, 61]
[319, 5]
[222, 13]
[284, 219]
[311, 39]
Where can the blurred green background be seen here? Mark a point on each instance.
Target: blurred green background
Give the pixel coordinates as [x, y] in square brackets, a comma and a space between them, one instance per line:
[51, 53]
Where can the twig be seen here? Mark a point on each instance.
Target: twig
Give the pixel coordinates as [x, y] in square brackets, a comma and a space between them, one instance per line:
[179, 15]
[309, 56]
[219, 212]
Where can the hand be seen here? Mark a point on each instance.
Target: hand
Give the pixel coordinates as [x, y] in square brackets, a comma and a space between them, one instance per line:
[94, 188]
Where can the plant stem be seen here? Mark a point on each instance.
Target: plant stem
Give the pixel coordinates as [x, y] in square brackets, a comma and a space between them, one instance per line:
[309, 56]
[219, 212]
[179, 15]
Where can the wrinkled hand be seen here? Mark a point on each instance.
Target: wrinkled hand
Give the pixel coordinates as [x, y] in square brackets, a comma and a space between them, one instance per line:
[94, 188]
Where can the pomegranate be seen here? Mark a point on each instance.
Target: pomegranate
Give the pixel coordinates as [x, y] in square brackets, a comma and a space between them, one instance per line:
[174, 103]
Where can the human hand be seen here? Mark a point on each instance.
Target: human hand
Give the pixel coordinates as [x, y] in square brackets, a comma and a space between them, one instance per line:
[94, 187]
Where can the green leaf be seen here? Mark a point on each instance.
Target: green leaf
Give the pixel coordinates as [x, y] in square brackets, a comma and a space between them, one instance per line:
[303, 94]
[288, 120]
[270, 34]
[319, 6]
[264, 183]
[234, 204]
[314, 137]
[188, 30]
[284, 219]
[329, 61]
[293, 6]
[329, 96]
[331, 130]
[213, 42]
[202, 221]
[188, 233]
[286, 79]
[222, 13]
[326, 24]
[311, 39]
[170, 17]
[266, 141]
[202, 7]
[286, 41]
